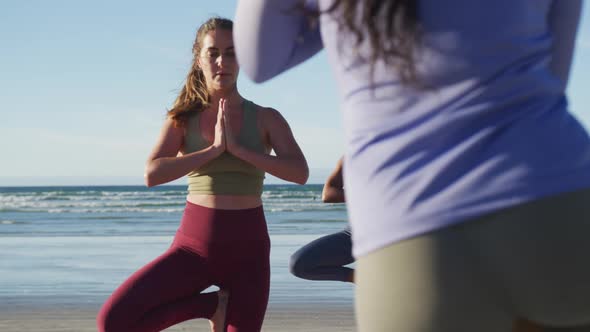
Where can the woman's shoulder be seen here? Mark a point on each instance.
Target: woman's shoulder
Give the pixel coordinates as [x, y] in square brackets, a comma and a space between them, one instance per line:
[266, 113]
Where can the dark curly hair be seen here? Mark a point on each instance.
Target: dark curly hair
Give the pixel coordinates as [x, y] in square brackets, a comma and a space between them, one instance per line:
[391, 26]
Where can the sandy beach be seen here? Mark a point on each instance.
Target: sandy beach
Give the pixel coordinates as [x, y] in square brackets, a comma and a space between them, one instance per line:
[80, 318]
[63, 251]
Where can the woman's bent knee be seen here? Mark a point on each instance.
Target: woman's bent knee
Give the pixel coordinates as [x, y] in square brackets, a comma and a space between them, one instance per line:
[108, 320]
[297, 266]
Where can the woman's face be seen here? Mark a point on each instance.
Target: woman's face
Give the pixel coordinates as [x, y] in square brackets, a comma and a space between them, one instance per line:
[217, 60]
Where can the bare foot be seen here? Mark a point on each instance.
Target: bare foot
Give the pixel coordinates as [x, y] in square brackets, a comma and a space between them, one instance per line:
[217, 321]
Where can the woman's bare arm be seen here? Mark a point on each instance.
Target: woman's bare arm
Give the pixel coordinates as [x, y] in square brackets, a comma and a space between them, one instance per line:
[165, 165]
[289, 162]
[333, 191]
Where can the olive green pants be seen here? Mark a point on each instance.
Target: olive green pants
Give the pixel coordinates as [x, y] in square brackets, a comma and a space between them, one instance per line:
[531, 261]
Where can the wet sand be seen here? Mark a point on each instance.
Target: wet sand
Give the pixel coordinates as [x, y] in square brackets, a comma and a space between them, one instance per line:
[47, 317]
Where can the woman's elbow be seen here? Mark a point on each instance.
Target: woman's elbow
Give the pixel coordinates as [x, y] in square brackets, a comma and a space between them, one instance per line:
[331, 194]
[149, 176]
[328, 198]
[256, 74]
[149, 180]
[303, 176]
[301, 181]
[255, 66]
[251, 63]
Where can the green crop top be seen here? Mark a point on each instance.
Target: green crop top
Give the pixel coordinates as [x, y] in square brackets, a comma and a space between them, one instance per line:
[226, 174]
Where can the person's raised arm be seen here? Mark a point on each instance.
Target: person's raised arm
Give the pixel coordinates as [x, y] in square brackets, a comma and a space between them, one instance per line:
[271, 36]
[288, 163]
[165, 165]
[333, 191]
[563, 19]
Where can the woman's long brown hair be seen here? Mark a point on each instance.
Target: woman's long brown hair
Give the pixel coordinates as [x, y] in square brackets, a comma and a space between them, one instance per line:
[193, 96]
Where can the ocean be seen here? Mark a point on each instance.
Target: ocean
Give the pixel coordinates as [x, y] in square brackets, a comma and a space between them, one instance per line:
[76, 244]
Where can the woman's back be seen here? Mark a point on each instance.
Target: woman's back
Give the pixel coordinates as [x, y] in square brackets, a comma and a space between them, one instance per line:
[488, 131]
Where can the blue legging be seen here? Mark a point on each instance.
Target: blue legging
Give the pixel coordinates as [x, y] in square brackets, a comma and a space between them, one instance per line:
[324, 258]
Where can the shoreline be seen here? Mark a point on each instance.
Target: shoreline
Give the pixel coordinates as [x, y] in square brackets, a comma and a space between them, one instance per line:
[44, 316]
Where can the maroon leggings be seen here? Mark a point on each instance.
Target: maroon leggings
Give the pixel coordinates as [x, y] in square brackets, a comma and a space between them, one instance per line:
[226, 248]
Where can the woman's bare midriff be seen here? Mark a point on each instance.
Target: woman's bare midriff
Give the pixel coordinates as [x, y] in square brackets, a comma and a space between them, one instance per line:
[225, 202]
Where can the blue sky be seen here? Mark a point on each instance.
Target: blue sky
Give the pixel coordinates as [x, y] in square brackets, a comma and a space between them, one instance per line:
[85, 85]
